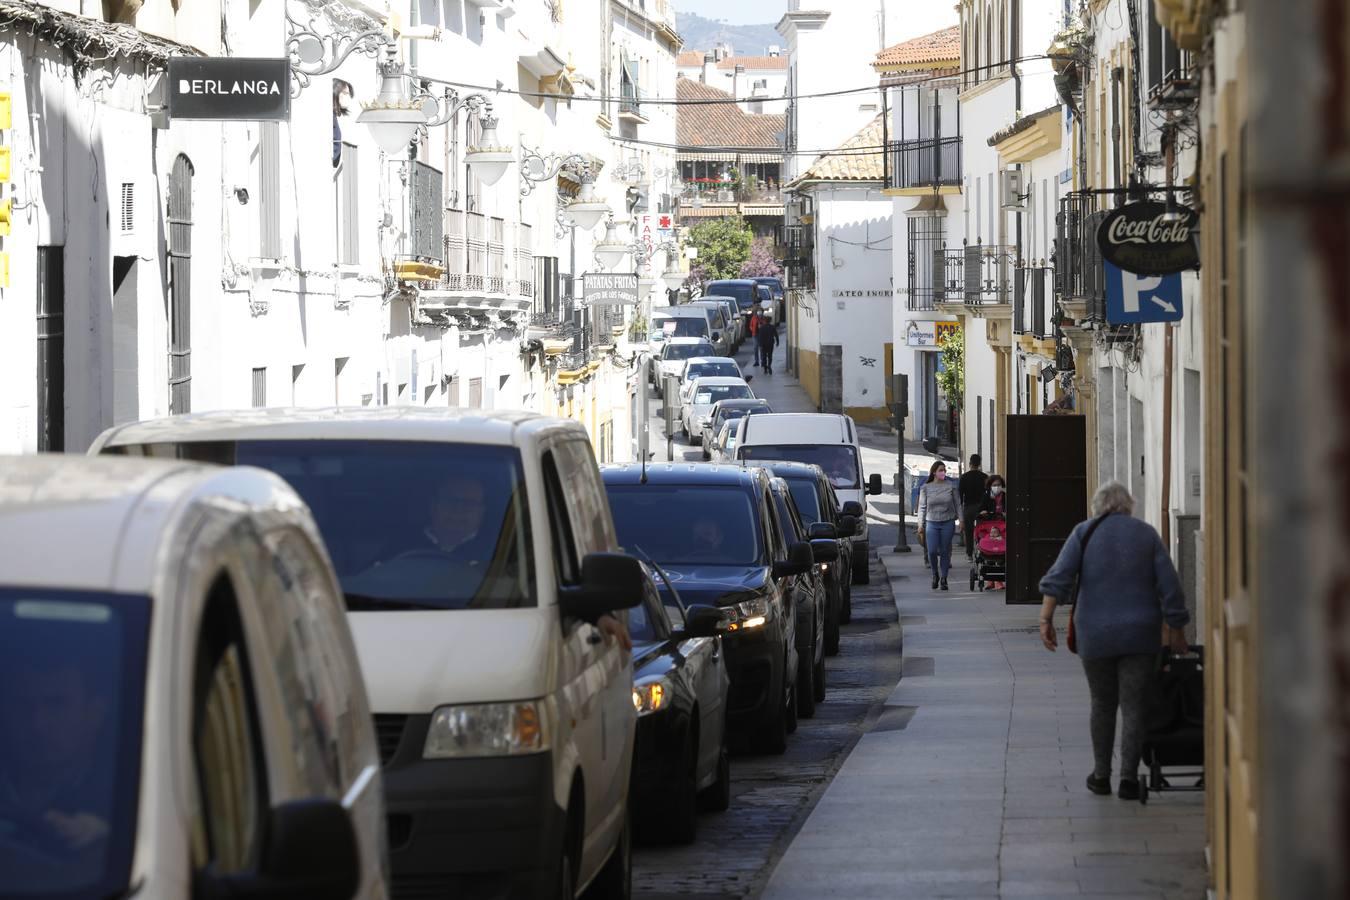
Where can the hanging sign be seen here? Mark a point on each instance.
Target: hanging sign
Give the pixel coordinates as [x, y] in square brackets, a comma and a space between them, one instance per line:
[1138, 238]
[599, 289]
[233, 88]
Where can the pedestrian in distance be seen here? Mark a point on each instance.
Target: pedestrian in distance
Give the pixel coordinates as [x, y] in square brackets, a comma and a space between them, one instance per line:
[766, 338]
[756, 321]
[939, 517]
[994, 505]
[971, 488]
[1126, 588]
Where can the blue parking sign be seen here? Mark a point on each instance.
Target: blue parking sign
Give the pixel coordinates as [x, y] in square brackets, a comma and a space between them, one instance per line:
[1132, 298]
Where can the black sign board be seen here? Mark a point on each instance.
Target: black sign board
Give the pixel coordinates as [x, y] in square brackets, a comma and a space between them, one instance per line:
[1138, 238]
[229, 88]
[599, 289]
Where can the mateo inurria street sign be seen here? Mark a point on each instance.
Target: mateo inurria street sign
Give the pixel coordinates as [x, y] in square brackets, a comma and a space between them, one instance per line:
[229, 88]
[1138, 238]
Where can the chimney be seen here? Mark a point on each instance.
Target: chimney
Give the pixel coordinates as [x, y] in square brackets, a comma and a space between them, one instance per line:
[709, 67]
[737, 77]
[775, 50]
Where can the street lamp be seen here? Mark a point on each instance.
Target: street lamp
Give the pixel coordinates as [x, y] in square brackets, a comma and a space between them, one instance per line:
[489, 159]
[393, 118]
[672, 278]
[587, 211]
[611, 251]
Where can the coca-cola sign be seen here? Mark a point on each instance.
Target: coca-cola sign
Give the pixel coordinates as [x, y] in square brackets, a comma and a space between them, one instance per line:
[1142, 238]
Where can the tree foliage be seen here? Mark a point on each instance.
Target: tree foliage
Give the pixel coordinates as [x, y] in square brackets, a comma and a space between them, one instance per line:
[761, 263]
[723, 246]
[952, 377]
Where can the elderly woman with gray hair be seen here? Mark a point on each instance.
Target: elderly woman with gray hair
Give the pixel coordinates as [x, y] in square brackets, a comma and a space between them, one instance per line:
[1127, 589]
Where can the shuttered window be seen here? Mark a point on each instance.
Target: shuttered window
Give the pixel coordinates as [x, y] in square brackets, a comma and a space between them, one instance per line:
[269, 186]
[349, 208]
[259, 387]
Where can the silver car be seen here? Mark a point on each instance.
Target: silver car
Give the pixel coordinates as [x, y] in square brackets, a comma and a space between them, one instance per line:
[702, 393]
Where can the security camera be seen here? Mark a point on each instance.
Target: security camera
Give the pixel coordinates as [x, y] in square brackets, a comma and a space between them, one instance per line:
[241, 194]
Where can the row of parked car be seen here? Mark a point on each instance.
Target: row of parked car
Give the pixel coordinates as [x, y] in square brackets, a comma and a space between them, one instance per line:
[377, 652]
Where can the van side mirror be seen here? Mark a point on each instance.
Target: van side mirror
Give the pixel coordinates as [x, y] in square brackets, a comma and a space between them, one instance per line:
[703, 621]
[848, 526]
[800, 559]
[823, 551]
[851, 508]
[821, 531]
[609, 582]
[874, 484]
[310, 851]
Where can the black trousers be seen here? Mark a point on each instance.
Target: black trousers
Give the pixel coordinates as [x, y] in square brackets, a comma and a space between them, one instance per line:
[968, 514]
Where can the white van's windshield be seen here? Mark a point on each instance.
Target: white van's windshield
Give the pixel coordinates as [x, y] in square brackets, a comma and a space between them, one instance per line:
[840, 461]
[409, 525]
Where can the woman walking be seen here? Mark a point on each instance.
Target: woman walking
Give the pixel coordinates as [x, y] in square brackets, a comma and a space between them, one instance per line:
[939, 517]
[1127, 588]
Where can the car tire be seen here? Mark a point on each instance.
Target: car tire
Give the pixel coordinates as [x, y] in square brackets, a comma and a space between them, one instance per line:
[706, 456]
[716, 797]
[832, 618]
[846, 603]
[862, 553]
[806, 681]
[615, 881]
[790, 710]
[566, 880]
[682, 817]
[771, 737]
[818, 680]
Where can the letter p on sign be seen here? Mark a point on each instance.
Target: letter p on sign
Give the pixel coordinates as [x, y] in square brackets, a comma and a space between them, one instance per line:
[1132, 298]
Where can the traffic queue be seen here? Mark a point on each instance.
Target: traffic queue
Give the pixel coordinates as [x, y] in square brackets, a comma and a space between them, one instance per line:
[402, 652]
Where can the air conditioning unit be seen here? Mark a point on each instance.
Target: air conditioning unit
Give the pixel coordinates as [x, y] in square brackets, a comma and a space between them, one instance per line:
[1011, 189]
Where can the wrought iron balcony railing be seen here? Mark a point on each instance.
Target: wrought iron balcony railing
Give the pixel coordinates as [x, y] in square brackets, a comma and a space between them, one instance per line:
[1033, 303]
[924, 162]
[977, 274]
[1079, 273]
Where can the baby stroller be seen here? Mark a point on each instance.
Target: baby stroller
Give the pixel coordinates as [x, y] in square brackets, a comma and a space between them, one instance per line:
[1176, 724]
[990, 536]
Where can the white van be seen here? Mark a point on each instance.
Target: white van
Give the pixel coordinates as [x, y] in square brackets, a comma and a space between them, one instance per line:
[181, 710]
[827, 440]
[477, 553]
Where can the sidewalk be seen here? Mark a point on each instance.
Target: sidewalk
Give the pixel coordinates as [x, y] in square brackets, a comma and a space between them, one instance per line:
[970, 783]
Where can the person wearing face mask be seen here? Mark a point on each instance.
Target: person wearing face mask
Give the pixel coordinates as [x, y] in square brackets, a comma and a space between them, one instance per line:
[995, 500]
[939, 517]
[971, 489]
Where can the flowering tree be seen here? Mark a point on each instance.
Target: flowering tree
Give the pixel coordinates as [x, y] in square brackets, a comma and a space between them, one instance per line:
[761, 263]
[723, 244]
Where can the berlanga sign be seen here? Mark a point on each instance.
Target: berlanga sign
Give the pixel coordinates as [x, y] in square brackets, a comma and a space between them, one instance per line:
[600, 289]
[240, 89]
[1143, 239]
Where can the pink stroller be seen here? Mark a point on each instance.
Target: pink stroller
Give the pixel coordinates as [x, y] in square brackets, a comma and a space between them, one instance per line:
[991, 548]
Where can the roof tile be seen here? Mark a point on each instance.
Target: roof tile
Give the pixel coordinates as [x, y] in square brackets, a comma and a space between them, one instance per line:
[938, 47]
[722, 124]
[857, 159]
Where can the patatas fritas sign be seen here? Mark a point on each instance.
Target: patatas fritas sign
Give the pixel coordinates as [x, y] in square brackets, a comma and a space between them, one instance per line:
[600, 289]
[233, 88]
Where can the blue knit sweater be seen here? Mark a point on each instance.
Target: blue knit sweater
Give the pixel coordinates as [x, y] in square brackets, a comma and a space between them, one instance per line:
[1128, 587]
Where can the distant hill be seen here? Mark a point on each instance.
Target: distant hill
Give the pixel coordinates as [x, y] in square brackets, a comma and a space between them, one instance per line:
[745, 40]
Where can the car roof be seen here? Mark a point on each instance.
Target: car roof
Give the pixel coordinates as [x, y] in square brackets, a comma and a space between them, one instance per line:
[694, 360]
[393, 423]
[789, 469]
[719, 380]
[766, 278]
[715, 298]
[100, 523]
[703, 474]
[783, 424]
[741, 403]
[733, 281]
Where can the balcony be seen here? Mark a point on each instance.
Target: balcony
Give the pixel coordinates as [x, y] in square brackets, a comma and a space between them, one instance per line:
[1080, 277]
[716, 198]
[975, 275]
[630, 105]
[924, 163]
[1033, 305]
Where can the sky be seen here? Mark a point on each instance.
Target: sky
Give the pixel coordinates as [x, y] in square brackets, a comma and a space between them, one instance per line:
[739, 12]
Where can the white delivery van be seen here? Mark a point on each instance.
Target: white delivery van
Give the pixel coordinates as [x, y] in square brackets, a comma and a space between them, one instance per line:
[181, 710]
[476, 553]
[827, 440]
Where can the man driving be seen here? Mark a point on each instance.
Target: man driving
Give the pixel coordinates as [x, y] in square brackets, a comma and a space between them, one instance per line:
[455, 515]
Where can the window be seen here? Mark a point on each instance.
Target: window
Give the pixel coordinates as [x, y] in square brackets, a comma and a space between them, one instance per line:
[476, 393]
[231, 775]
[180, 286]
[567, 567]
[296, 372]
[51, 349]
[349, 209]
[269, 190]
[722, 529]
[339, 365]
[473, 189]
[259, 388]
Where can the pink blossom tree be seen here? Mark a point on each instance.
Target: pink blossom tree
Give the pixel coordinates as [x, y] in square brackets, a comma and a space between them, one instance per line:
[761, 263]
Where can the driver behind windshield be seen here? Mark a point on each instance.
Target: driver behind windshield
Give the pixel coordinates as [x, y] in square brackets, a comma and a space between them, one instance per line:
[455, 518]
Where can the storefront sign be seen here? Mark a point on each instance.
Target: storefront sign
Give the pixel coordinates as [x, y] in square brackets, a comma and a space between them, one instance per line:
[1139, 238]
[927, 335]
[234, 88]
[600, 289]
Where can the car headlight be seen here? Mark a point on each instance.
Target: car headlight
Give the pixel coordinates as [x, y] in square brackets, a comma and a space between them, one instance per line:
[651, 695]
[748, 614]
[487, 729]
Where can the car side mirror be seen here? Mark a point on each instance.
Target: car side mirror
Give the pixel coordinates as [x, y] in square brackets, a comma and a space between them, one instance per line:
[748, 378]
[821, 531]
[848, 526]
[852, 508]
[310, 851]
[874, 484]
[703, 621]
[800, 559]
[609, 582]
[717, 335]
[823, 551]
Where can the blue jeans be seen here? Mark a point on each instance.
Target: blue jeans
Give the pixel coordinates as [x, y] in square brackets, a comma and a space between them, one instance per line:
[939, 535]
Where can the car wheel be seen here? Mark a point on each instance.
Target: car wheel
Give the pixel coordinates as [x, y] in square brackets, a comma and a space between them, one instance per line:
[806, 682]
[862, 558]
[846, 606]
[818, 680]
[615, 881]
[832, 618]
[790, 709]
[682, 819]
[717, 796]
[566, 887]
[771, 737]
[706, 455]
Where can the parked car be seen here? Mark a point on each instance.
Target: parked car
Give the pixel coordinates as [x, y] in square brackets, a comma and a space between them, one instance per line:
[719, 430]
[734, 316]
[819, 508]
[776, 293]
[723, 325]
[742, 289]
[704, 366]
[680, 684]
[674, 353]
[772, 309]
[477, 557]
[809, 600]
[680, 324]
[831, 442]
[711, 530]
[179, 694]
[717, 333]
[699, 396]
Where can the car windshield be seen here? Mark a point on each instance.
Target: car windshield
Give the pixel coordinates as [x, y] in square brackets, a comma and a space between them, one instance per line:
[709, 370]
[685, 351]
[705, 395]
[840, 461]
[409, 524]
[718, 524]
[807, 497]
[72, 685]
[773, 284]
[684, 326]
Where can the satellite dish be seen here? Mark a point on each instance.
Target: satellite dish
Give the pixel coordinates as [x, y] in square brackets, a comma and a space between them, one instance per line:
[309, 49]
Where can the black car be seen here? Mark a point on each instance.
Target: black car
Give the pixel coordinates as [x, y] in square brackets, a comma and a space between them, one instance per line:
[825, 520]
[680, 692]
[743, 289]
[775, 286]
[713, 531]
[809, 599]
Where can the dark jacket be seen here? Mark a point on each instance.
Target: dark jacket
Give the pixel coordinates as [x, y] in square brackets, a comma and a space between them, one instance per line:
[995, 505]
[1128, 587]
[971, 487]
[767, 336]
